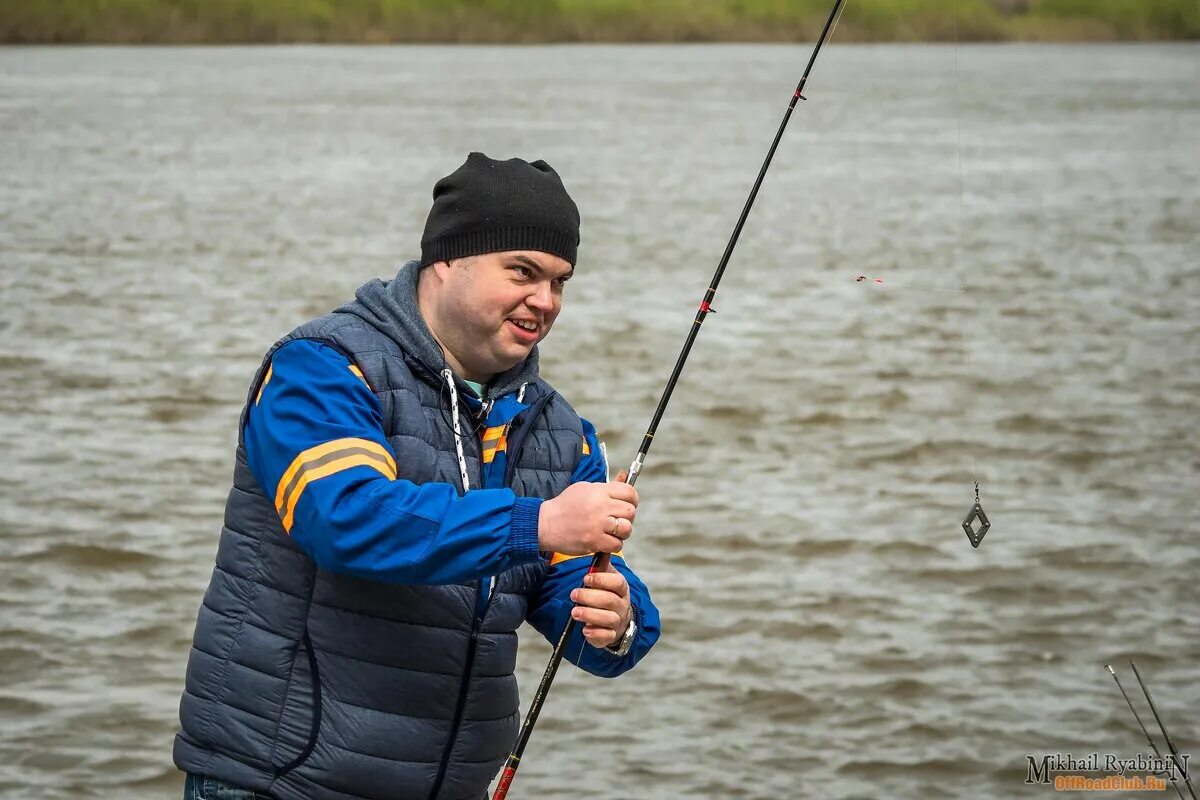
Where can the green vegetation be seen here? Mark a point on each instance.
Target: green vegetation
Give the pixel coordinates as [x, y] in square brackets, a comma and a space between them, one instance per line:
[377, 21]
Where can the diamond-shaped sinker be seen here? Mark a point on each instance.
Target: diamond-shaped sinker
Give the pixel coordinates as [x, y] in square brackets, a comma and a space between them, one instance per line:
[975, 535]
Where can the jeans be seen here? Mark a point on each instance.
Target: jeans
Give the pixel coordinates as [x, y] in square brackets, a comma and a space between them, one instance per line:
[202, 787]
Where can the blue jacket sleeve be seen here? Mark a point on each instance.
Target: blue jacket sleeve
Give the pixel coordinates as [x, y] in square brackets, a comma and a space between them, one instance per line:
[551, 608]
[315, 442]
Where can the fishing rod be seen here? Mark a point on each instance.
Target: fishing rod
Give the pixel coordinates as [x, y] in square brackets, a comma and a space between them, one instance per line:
[1157, 753]
[1170, 744]
[600, 561]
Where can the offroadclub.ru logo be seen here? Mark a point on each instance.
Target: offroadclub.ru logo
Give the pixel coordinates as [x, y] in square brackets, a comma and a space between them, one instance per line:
[1106, 772]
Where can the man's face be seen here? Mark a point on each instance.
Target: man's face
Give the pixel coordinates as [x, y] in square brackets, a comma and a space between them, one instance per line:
[496, 307]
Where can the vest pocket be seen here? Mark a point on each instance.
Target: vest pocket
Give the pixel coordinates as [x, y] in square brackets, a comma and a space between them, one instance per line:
[315, 710]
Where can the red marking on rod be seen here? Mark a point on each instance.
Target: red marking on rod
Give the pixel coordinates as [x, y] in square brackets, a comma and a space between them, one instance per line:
[506, 779]
[705, 307]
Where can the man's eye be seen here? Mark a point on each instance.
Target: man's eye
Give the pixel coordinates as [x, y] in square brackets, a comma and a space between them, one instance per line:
[524, 272]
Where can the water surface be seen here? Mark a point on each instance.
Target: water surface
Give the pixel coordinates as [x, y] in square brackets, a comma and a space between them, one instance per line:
[166, 214]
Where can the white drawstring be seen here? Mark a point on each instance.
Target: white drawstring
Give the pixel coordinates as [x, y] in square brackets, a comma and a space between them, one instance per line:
[521, 393]
[458, 445]
[448, 376]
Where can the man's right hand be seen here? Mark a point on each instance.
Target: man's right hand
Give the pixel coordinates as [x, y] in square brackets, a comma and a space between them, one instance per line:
[588, 518]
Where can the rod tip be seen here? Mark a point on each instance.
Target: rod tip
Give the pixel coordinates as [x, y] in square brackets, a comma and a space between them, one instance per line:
[1110, 670]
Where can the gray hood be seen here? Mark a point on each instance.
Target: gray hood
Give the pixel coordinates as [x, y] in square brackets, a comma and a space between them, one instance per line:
[391, 306]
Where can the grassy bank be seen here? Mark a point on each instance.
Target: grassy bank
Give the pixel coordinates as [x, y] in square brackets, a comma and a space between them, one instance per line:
[379, 21]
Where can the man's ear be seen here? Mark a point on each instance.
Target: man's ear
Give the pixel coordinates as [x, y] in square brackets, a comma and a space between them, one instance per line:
[441, 269]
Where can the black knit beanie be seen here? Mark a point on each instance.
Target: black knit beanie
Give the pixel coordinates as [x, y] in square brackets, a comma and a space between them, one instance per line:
[488, 206]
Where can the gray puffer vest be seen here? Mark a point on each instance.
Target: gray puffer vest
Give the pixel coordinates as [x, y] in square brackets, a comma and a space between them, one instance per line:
[310, 684]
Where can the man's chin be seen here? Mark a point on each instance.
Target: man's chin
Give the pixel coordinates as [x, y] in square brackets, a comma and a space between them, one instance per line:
[513, 356]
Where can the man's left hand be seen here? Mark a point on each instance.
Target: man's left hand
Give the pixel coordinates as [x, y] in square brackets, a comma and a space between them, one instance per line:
[602, 606]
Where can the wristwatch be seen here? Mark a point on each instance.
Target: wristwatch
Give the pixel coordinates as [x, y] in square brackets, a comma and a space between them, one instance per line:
[621, 648]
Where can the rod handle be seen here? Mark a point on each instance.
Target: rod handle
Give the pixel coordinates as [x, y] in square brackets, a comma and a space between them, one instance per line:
[506, 779]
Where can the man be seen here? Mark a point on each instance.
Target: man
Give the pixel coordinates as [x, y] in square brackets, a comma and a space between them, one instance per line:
[406, 491]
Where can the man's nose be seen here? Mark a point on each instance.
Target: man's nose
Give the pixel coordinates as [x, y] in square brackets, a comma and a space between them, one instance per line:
[542, 298]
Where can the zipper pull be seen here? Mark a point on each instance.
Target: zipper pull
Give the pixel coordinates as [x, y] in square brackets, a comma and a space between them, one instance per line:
[484, 600]
[485, 411]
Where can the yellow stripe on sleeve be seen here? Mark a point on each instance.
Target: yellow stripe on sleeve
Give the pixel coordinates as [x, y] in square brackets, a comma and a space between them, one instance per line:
[558, 558]
[354, 368]
[263, 385]
[328, 452]
[324, 471]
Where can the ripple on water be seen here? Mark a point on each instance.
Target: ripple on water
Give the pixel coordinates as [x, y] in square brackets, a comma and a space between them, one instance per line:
[899, 548]
[806, 549]
[789, 630]
[10, 362]
[900, 688]
[21, 706]
[1090, 557]
[1031, 423]
[181, 408]
[18, 662]
[817, 419]
[735, 415]
[1030, 592]
[87, 556]
[776, 705]
[880, 769]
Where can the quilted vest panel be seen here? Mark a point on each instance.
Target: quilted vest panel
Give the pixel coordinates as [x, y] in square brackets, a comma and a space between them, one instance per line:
[311, 684]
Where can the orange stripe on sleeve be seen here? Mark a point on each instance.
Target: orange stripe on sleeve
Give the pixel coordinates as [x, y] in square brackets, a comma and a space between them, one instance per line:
[266, 380]
[354, 368]
[324, 471]
[322, 452]
[558, 558]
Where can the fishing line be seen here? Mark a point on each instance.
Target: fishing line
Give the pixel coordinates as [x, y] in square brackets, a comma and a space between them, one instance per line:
[976, 512]
[976, 523]
[890, 284]
[834, 27]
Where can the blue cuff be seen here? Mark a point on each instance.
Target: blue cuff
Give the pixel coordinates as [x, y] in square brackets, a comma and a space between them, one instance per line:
[523, 536]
